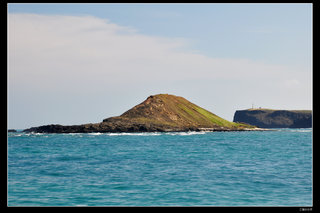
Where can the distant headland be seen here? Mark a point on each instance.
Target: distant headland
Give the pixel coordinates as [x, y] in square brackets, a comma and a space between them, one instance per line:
[271, 118]
[158, 113]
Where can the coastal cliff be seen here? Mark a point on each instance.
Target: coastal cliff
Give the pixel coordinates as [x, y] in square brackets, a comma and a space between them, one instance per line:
[158, 113]
[269, 118]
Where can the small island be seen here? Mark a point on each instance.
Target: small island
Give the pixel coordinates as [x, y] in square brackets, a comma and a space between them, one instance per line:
[271, 118]
[158, 113]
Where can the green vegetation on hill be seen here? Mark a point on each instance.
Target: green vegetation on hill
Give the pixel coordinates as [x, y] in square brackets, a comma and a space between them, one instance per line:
[173, 111]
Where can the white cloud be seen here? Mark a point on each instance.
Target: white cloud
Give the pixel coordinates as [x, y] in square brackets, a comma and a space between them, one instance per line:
[50, 47]
[85, 54]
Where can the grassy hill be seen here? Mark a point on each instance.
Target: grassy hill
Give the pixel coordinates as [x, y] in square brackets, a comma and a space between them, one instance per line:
[173, 112]
[158, 113]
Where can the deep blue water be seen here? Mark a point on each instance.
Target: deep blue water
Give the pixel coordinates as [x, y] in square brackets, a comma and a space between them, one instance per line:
[272, 168]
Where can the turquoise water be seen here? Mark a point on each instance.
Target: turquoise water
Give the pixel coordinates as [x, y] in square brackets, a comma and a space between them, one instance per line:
[161, 169]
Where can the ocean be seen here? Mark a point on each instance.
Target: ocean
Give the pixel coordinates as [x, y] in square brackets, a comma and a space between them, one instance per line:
[270, 168]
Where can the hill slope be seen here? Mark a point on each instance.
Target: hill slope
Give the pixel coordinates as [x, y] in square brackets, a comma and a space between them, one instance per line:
[161, 112]
[169, 112]
[269, 118]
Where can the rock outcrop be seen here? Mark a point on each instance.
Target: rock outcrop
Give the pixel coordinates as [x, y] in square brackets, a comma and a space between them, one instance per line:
[158, 113]
[268, 118]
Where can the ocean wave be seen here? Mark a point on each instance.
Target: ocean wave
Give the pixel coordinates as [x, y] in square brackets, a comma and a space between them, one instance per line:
[21, 134]
[15, 135]
[186, 133]
[156, 133]
[297, 130]
[301, 130]
[95, 133]
[135, 134]
[113, 134]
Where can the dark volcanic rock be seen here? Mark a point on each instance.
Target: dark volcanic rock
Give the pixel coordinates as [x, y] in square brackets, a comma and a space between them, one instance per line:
[12, 130]
[267, 118]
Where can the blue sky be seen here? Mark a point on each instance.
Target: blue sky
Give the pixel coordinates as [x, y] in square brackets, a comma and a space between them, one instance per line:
[246, 53]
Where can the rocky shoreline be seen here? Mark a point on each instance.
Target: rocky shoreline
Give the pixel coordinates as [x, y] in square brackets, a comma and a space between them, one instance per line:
[100, 128]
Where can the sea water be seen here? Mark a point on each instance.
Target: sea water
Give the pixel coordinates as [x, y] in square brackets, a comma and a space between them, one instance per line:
[271, 168]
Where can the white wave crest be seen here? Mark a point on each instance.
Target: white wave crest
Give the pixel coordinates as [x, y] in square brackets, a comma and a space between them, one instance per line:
[186, 133]
[16, 135]
[95, 133]
[295, 130]
[135, 134]
[156, 133]
[301, 130]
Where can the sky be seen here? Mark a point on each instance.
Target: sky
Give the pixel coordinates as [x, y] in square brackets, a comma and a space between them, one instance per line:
[81, 63]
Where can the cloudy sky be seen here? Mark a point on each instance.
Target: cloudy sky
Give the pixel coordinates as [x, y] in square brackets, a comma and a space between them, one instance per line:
[81, 63]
